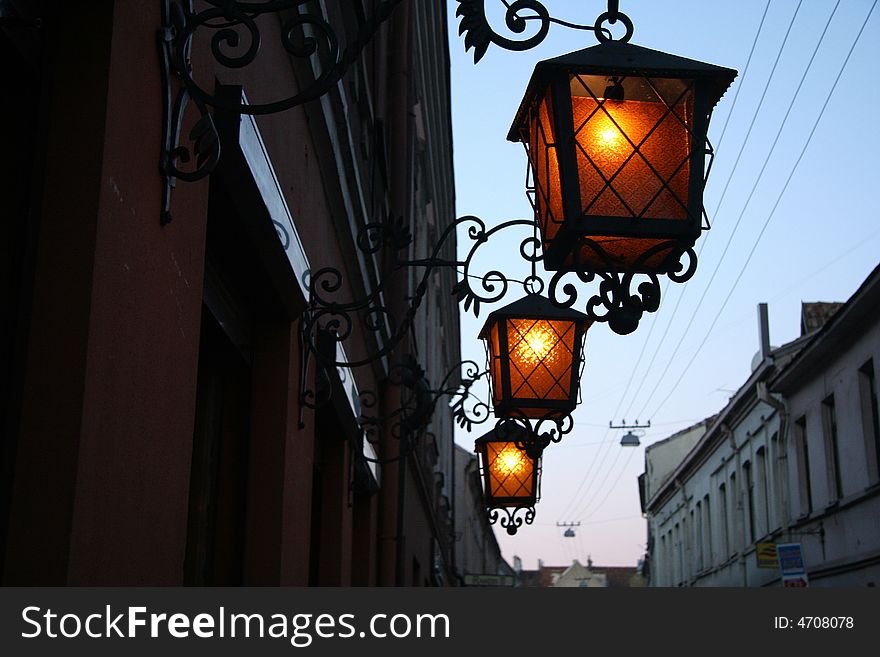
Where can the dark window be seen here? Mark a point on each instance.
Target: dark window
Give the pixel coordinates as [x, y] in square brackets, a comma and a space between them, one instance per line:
[218, 479]
[870, 418]
[763, 481]
[832, 452]
[724, 527]
[750, 499]
[20, 134]
[733, 517]
[802, 449]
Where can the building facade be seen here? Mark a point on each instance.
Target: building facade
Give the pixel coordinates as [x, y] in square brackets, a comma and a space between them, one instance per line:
[833, 459]
[169, 415]
[477, 553]
[792, 458]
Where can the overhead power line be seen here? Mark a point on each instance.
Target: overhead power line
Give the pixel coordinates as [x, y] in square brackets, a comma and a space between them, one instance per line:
[775, 205]
[600, 460]
[693, 315]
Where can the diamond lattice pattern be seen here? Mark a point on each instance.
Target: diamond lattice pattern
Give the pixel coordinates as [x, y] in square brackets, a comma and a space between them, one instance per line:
[510, 470]
[633, 156]
[541, 354]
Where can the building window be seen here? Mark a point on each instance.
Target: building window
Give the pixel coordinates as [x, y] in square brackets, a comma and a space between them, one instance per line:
[762, 476]
[707, 532]
[750, 500]
[687, 564]
[723, 529]
[734, 517]
[697, 519]
[832, 452]
[661, 572]
[805, 488]
[679, 550]
[870, 419]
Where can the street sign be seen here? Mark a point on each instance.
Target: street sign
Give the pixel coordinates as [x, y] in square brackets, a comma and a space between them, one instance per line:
[791, 565]
[766, 555]
[488, 580]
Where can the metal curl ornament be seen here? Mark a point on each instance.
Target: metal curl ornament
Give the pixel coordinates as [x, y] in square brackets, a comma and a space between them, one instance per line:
[511, 521]
[478, 34]
[616, 302]
[235, 44]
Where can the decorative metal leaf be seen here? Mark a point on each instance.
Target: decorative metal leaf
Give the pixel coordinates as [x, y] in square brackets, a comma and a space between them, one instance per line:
[474, 26]
[465, 295]
[460, 416]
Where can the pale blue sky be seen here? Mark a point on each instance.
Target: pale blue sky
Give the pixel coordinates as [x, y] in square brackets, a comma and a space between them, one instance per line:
[819, 244]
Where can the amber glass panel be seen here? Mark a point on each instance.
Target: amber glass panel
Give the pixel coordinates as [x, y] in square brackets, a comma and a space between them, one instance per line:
[624, 252]
[511, 471]
[633, 159]
[545, 168]
[633, 155]
[541, 355]
[495, 363]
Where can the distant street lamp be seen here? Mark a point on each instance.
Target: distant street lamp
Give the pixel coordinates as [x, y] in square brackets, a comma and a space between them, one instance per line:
[629, 439]
[534, 350]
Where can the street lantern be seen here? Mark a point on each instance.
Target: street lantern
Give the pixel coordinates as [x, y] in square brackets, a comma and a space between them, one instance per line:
[616, 140]
[629, 439]
[534, 351]
[511, 474]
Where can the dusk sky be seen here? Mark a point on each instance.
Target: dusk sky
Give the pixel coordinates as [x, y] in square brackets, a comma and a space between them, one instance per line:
[793, 214]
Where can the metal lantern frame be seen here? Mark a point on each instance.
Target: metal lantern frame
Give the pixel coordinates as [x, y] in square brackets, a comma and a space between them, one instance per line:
[513, 510]
[685, 90]
[507, 401]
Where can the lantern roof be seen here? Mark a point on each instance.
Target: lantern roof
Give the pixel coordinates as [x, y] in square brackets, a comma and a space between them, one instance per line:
[533, 306]
[620, 58]
[508, 432]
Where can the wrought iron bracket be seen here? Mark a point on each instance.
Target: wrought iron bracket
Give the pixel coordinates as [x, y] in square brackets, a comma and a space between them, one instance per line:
[474, 25]
[235, 44]
[513, 517]
[620, 300]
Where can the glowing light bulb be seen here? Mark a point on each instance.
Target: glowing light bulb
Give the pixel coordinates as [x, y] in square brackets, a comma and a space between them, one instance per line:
[536, 345]
[511, 461]
[608, 136]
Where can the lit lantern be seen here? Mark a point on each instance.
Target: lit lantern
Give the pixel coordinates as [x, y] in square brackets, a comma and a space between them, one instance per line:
[511, 475]
[616, 139]
[534, 349]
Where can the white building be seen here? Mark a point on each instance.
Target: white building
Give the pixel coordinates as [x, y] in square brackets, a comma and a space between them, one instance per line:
[833, 459]
[796, 465]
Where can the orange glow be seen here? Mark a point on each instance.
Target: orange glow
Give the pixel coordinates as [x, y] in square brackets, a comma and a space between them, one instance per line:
[608, 137]
[545, 167]
[536, 345]
[541, 358]
[633, 159]
[510, 461]
[510, 471]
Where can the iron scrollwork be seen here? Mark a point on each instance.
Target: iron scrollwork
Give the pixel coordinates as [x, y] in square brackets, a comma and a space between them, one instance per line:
[235, 44]
[620, 300]
[623, 298]
[511, 521]
[478, 33]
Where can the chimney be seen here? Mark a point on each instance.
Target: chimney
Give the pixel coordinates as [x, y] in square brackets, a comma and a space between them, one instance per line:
[764, 330]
